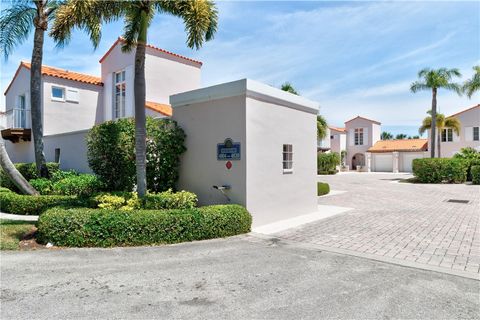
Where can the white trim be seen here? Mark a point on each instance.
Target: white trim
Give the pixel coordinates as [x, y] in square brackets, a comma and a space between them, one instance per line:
[64, 90]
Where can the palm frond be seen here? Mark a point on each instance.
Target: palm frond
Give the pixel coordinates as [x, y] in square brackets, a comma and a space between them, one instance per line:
[419, 86]
[16, 23]
[454, 124]
[321, 127]
[453, 87]
[426, 124]
[472, 85]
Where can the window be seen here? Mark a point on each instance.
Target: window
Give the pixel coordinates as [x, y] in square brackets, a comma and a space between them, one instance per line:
[476, 133]
[287, 158]
[359, 136]
[332, 137]
[119, 96]
[58, 94]
[20, 115]
[447, 135]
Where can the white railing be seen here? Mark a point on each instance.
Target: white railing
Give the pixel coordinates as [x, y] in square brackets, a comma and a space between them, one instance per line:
[18, 118]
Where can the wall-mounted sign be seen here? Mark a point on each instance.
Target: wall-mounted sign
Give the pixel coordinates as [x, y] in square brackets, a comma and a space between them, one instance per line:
[228, 150]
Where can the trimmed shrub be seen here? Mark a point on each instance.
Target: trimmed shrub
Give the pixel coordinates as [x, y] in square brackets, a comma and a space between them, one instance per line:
[440, 170]
[77, 185]
[322, 188]
[471, 158]
[327, 162]
[170, 200]
[3, 189]
[11, 202]
[475, 170]
[42, 185]
[28, 171]
[106, 228]
[111, 153]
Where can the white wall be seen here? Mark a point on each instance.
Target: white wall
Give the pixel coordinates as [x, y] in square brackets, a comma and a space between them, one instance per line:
[371, 135]
[20, 86]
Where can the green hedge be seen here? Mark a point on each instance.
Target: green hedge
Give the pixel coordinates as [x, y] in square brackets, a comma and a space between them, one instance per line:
[14, 203]
[106, 228]
[28, 171]
[327, 162]
[475, 170]
[322, 188]
[471, 158]
[440, 170]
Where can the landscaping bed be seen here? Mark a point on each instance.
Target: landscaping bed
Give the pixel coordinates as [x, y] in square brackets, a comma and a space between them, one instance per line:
[13, 232]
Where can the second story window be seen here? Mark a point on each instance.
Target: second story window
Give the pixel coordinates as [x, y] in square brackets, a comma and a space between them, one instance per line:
[359, 136]
[476, 133]
[119, 95]
[447, 135]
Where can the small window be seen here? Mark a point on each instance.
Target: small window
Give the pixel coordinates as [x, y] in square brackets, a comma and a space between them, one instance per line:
[476, 133]
[332, 137]
[287, 158]
[58, 94]
[447, 135]
[359, 136]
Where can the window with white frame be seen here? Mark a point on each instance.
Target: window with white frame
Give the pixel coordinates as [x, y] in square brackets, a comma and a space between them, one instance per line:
[447, 135]
[287, 158]
[58, 93]
[359, 136]
[476, 133]
[119, 95]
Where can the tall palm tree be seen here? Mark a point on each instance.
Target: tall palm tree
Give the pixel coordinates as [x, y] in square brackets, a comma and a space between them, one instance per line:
[16, 24]
[442, 123]
[200, 18]
[322, 127]
[287, 86]
[432, 80]
[472, 85]
[386, 136]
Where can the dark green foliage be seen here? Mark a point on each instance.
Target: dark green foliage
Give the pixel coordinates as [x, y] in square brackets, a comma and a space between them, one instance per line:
[327, 162]
[28, 171]
[69, 183]
[106, 228]
[322, 188]
[471, 157]
[111, 153]
[14, 203]
[170, 200]
[42, 185]
[440, 170]
[3, 189]
[475, 170]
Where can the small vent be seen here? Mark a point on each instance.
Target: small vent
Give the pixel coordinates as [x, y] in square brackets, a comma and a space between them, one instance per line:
[458, 201]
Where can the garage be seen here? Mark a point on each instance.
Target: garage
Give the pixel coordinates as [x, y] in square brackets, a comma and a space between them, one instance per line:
[407, 160]
[383, 162]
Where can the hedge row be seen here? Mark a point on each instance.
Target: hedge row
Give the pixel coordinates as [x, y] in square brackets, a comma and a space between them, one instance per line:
[440, 170]
[28, 171]
[323, 188]
[105, 228]
[475, 171]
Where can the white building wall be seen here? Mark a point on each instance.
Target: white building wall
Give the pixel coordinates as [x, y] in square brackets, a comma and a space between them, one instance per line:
[371, 134]
[20, 86]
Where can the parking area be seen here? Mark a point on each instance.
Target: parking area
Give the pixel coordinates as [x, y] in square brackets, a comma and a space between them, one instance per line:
[402, 222]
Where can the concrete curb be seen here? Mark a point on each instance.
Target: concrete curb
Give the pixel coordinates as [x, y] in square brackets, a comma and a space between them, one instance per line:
[18, 217]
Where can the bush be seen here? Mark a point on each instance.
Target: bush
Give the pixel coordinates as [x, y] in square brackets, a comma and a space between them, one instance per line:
[471, 158]
[170, 200]
[78, 185]
[28, 171]
[14, 203]
[322, 188]
[440, 170]
[475, 170]
[106, 228]
[111, 153]
[42, 185]
[3, 189]
[327, 162]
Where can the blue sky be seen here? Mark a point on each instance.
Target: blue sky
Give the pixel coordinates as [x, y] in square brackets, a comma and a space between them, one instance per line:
[354, 58]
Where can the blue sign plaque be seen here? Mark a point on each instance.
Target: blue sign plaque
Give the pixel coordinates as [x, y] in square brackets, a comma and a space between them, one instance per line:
[228, 150]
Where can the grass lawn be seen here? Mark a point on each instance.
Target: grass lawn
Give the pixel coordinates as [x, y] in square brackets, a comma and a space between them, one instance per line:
[12, 231]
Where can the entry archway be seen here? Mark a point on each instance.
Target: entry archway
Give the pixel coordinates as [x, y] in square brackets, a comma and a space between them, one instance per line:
[358, 159]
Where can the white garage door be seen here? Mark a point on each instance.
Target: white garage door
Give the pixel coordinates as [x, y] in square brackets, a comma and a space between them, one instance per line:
[383, 162]
[407, 161]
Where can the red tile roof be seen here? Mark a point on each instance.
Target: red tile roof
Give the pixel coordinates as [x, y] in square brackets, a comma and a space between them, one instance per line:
[60, 73]
[338, 129]
[471, 108]
[120, 39]
[358, 117]
[410, 145]
[164, 109]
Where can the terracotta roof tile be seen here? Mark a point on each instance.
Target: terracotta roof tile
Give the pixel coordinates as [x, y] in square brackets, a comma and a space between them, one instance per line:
[400, 145]
[338, 129]
[164, 109]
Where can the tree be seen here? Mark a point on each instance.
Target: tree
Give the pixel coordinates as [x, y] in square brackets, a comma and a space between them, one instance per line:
[472, 85]
[442, 123]
[287, 86]
[434, 79]
[16, 24]
[401, 136]
[200, 18]
[322, 127]
[386, 136]
[414, 137]
[16, 177]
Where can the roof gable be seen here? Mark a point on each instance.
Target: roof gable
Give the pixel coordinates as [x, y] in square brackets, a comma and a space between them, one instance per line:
[466, 110]
[359, 117]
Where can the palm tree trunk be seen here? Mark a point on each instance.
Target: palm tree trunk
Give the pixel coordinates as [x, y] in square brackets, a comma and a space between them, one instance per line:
[35, 92]
[434, 122]
[439, 141]
[140, 118]
[16, 177]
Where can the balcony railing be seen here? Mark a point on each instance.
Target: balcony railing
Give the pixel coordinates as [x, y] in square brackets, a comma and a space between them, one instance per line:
[17, 118]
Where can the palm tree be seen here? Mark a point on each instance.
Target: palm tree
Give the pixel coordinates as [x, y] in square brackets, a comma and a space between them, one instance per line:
[472, 85]
[386, 136]
[434, 79]
[442, 123]
[200, 18]
[16, 24]
[287, 86]
[401, 136]
[322, 127]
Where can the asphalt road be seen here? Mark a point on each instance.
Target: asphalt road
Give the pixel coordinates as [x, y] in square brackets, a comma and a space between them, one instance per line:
[238, 278]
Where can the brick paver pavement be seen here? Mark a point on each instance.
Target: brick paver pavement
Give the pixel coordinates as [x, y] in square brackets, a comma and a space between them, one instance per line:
[403, 221]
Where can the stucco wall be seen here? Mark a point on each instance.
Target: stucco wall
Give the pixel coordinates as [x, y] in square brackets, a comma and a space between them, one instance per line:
[21, 86]
[339, 141]
[371, 136]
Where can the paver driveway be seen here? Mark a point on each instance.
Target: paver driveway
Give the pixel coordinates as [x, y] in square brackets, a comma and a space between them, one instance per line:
[409, 223]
